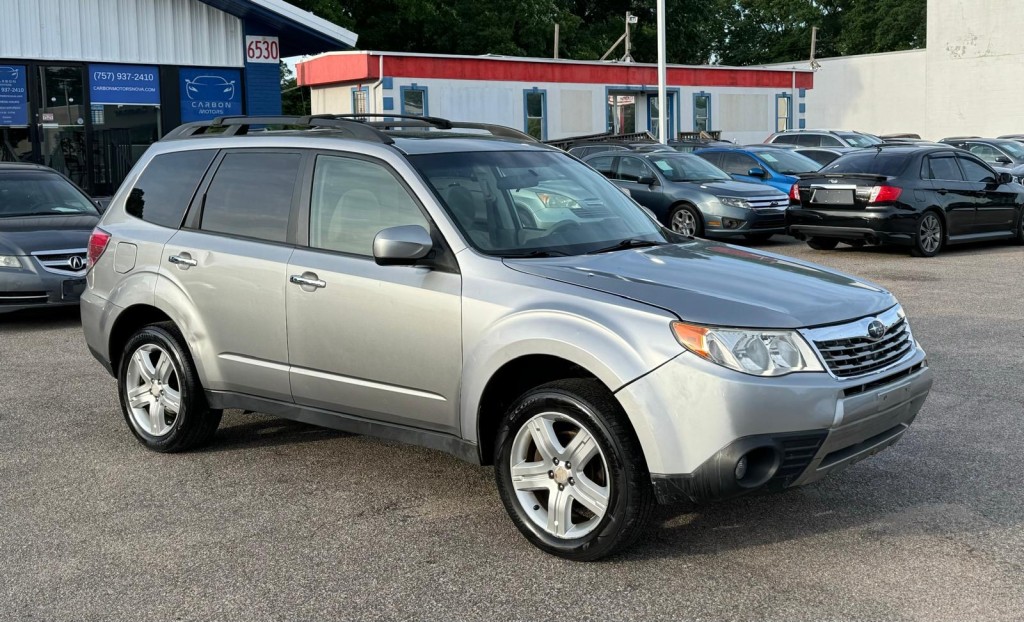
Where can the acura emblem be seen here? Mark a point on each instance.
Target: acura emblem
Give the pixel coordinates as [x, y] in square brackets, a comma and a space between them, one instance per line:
[76, 263]
[876, 330]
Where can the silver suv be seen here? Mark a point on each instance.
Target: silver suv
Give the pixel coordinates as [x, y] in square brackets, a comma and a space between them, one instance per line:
[823, 138]
[401, 283]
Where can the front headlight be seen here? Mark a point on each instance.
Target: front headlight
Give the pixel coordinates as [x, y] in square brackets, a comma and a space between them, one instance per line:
[735, 202]
[750, 351]
[9, 261]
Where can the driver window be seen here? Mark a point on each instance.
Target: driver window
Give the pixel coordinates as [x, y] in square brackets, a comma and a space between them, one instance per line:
[631, 169]
[352, 201]
[975, 172]
[605, 166]
[986, 153]
[737, 163]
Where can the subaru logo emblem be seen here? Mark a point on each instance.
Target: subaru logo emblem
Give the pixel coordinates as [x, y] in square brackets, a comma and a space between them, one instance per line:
[76, 263]
[876, 330]
[833, 181]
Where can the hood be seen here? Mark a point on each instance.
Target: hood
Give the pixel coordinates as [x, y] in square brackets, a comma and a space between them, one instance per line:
[24, 236]
[719, 284]
[732, 188]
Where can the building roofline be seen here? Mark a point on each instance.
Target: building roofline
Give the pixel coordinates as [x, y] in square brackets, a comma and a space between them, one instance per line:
[279, 9]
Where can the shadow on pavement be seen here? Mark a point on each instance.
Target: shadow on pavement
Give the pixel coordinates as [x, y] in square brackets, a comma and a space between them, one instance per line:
[256, 430]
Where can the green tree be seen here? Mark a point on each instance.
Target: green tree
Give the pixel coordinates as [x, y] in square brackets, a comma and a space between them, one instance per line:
[294, 99]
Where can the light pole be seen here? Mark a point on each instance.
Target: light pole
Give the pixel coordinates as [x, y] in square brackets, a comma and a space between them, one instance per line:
[662, 95]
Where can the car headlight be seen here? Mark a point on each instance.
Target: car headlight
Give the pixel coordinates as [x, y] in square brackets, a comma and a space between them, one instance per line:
[735, 202]
[750, 351]
[556, 201]
[9, 261]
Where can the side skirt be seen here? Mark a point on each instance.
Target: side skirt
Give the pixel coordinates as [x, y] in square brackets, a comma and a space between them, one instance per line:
[447, 443]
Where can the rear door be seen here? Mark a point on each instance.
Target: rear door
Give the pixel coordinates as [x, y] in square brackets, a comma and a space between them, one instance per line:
[382, 342]
[996, 209]
[956, 197]
[228, 265]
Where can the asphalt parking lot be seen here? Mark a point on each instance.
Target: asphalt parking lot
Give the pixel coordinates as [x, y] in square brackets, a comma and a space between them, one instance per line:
[278, 520]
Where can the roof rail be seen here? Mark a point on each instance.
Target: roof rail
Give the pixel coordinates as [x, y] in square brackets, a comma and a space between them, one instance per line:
[240, 125]
[389, 121]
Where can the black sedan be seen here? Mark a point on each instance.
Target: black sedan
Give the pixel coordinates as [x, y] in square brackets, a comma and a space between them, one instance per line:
[919, 197]
[45, 223]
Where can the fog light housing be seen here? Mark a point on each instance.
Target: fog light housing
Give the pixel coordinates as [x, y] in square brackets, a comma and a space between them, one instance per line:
[731, 223]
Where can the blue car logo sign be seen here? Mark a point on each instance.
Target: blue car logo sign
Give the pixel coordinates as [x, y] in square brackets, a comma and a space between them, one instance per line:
[210, 89]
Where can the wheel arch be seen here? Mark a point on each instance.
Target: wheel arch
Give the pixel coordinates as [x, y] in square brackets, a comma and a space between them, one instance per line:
[128, 322]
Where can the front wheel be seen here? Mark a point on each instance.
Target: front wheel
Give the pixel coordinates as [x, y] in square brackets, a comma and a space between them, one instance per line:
[928, 236]
[570, 471]
[686, 220]
[822, 244]
[161, 397]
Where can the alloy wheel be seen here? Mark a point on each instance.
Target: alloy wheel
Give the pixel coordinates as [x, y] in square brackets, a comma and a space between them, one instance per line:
[560, 475]
[153, 390]
[683, 222]
[930, 233]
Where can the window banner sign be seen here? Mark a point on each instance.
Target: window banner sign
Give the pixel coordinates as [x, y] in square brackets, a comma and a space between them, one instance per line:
[13, 95]
[209, 93]
[124, 84]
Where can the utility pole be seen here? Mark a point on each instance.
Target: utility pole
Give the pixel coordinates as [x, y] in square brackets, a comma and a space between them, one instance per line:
[556, 40]
[662, 73]
[630, 19]
[814, 47]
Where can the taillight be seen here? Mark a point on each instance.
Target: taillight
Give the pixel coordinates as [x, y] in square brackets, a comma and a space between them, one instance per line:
[97, 244]
[884, 194]
[794, 193]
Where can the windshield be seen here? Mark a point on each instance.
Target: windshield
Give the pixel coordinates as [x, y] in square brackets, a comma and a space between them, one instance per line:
[41, 194]
[1015, 150]
[534, 203]
[685, 167]
[860, 140]
[787, 162]
[874, 162]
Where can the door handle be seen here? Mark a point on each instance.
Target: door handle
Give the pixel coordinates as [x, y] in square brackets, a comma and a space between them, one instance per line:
[183, 261]
[307, 279]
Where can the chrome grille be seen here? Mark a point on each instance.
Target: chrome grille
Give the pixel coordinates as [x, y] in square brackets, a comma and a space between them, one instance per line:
[63, 261]
[778, 201]
[849, 352]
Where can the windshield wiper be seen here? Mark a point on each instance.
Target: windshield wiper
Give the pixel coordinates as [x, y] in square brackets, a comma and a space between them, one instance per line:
[625, 244]
[537, 253]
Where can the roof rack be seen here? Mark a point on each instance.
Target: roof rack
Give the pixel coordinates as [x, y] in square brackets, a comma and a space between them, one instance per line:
[393, 121]
[240, 125]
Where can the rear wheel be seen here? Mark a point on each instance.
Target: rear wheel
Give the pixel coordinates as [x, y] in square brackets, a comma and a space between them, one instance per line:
[161, 397]
[928, 235]
[822, 244]
[570, 471]
[686, 220]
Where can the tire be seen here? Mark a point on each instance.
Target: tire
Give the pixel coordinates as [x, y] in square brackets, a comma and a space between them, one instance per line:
[156, 358]
[758, 237]
[822, 244]
[929, 234]
[613, 481]
[686, 220]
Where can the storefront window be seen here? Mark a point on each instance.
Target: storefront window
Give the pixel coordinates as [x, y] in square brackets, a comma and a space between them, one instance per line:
[62, 121]
[701, 112]
[121, 133]
[535, 108]
[414, 101]
[783, 113]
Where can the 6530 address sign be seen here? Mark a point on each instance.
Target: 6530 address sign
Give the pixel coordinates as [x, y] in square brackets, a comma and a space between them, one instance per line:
[262, 50]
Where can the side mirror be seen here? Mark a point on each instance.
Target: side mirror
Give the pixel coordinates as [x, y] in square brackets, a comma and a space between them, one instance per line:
[1003, 160]
[1004, 178]
[757, 172]
[647, 180]
[401, 246]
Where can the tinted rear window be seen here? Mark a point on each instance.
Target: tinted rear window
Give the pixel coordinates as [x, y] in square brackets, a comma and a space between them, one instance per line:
[871, 163]
[251, 195]
[165, 188]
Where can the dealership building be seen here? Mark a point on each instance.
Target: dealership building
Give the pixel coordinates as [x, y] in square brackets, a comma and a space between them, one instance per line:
[554, 99]
[87, 85]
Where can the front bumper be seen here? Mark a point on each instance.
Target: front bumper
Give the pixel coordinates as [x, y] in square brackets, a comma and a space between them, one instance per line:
[890, 225]
[696, 420]
[31, 287]
[725, 221]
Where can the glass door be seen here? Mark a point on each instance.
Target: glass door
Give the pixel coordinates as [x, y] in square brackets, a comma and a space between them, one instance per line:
[61, 121]
[653, 115]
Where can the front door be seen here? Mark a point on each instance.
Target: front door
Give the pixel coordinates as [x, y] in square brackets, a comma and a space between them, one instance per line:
[61, 120]
[381, 342]
[631, 171]
[997, 209]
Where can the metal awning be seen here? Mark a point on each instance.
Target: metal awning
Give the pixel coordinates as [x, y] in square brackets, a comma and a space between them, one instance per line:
[300, 31]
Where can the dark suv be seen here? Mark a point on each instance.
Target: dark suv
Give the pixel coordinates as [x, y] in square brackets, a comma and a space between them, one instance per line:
[918, 197]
